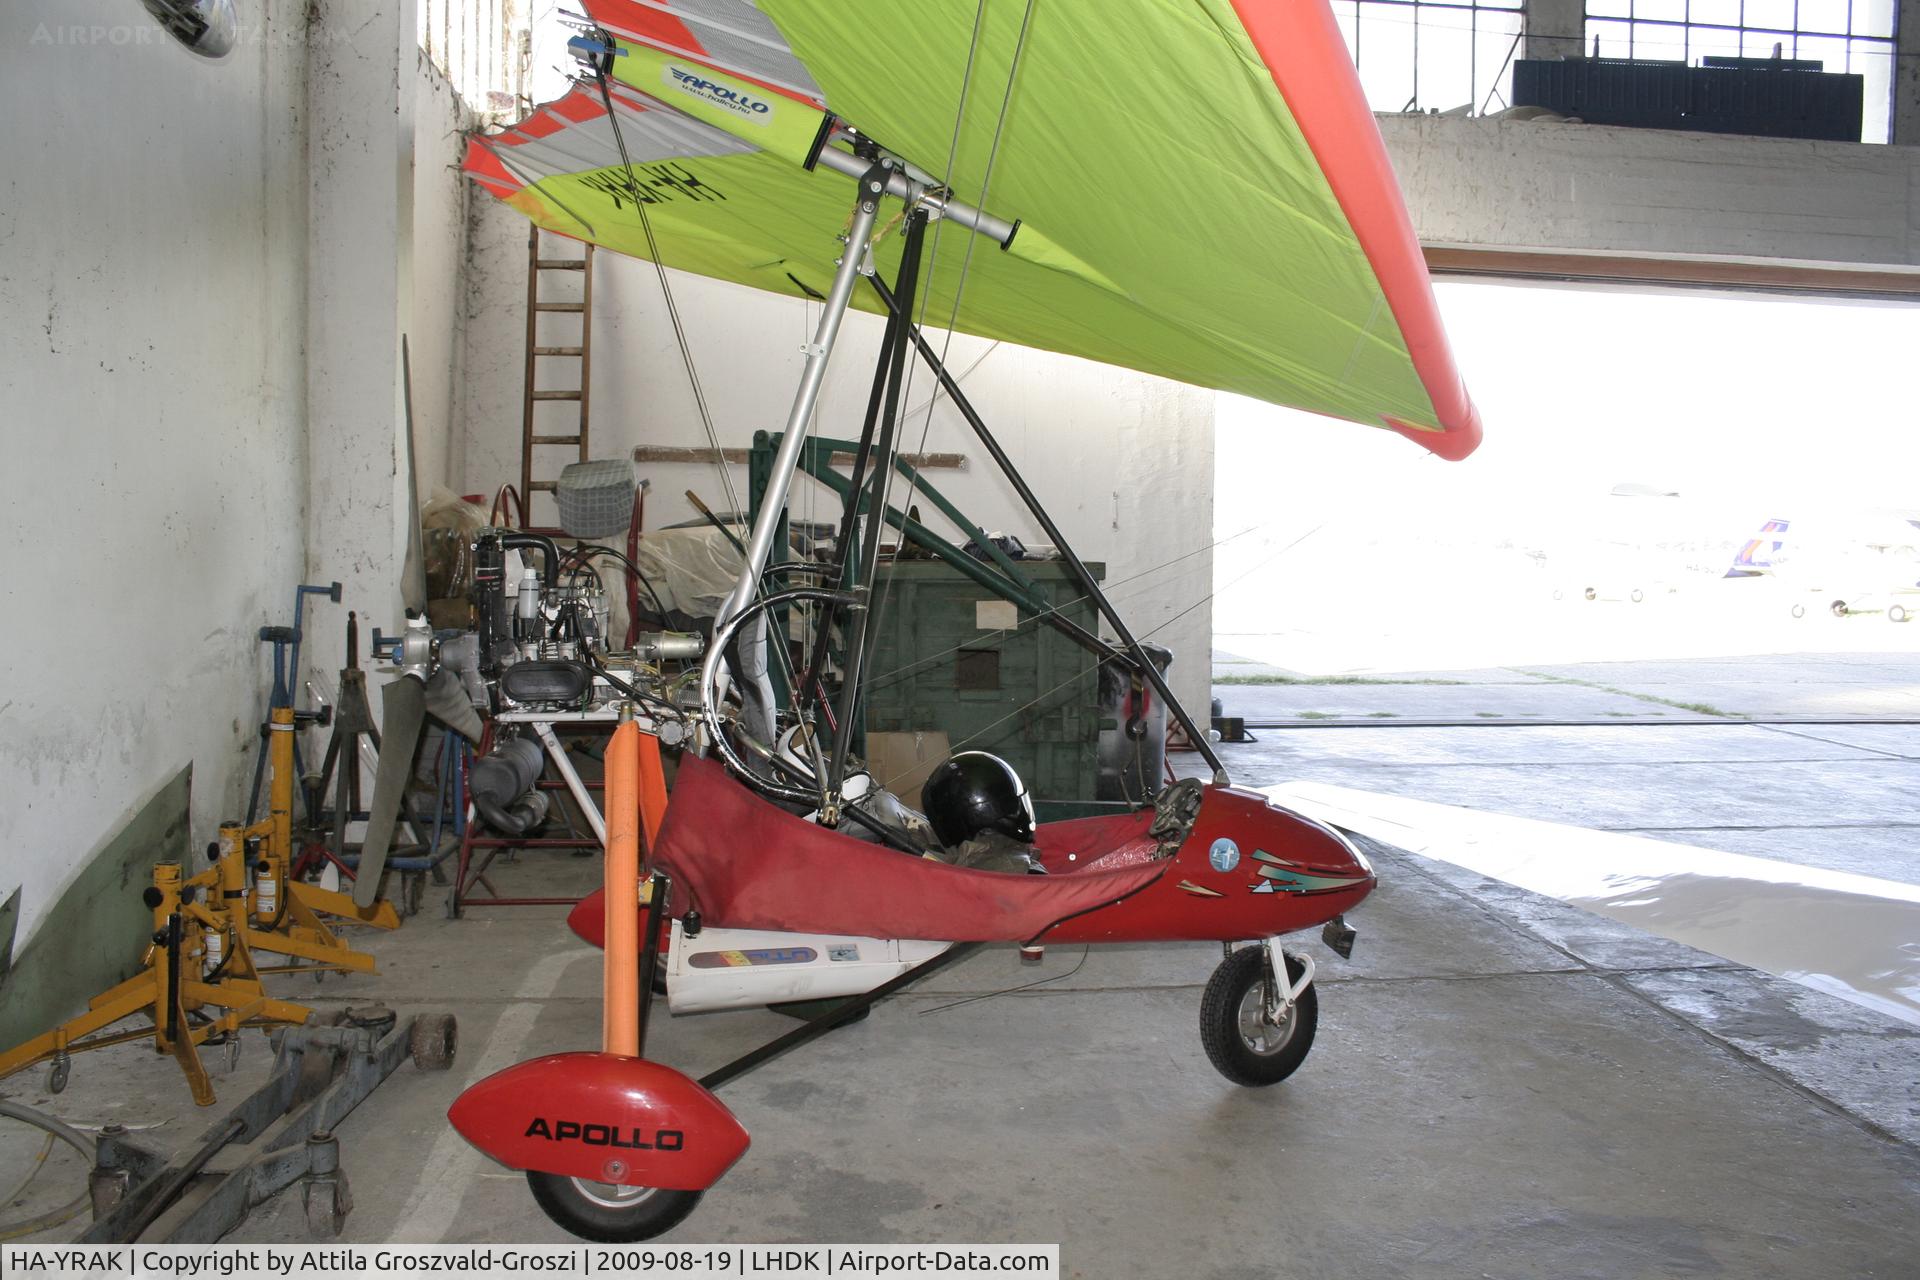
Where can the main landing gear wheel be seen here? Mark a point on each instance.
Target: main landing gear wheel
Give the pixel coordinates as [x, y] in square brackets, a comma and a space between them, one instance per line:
[1242, 1045]
[1896, 613]
[606, 1212]
[1839, 608]
[1799, 611]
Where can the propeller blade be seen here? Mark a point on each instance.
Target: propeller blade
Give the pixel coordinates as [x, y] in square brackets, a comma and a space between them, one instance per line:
[447, 702]
[400, 722]
[413, 570]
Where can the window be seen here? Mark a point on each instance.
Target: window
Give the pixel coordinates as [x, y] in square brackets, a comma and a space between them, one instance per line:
[480, 46]
[1844, 35]
[1433, 55]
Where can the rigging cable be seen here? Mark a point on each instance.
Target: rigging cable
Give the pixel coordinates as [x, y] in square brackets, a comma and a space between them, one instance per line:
[666, 290]
[1007, 991]
[1061, 606]
[1077, 677]
[966, 261]
[679, 332]
[686, 353]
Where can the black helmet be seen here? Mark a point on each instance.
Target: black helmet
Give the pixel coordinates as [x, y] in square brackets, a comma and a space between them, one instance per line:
[974, 792]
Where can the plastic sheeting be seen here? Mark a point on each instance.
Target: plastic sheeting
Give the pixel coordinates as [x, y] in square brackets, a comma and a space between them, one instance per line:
[693, 569]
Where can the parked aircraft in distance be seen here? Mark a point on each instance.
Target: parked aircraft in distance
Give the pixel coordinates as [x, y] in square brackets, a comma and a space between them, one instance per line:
[1656, 543]
[1868, 563]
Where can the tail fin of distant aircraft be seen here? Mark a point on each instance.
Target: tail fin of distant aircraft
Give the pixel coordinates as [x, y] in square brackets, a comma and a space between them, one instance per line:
[1756, 557]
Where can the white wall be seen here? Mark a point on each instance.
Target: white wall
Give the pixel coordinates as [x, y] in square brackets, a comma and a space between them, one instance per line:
[387, 247]
[152, 275]
[360, 109]
[440, 194]
[1123, 461]
[229, 257]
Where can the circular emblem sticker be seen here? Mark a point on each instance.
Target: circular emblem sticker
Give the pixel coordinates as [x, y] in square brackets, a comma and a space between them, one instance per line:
[1225, 854]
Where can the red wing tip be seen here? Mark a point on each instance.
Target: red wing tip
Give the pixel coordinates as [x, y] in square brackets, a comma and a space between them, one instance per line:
[1452, 443]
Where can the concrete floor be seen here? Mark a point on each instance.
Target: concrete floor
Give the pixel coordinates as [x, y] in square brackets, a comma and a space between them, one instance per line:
[1503, 1085]
[1841, 796]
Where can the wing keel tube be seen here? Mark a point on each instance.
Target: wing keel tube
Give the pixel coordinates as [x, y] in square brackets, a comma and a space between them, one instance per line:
[914, 187]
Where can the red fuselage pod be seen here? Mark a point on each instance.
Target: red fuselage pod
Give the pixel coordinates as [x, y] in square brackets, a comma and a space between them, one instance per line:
[602, 1117]
[1248, 869]
[588, 920]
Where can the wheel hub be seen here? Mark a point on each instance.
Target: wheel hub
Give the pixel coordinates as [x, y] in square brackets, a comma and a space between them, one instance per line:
[612, 1195]
[1256, 1032]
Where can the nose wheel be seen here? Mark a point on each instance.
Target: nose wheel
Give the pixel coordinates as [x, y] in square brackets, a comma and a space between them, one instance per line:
[1252, 1036]
[608, 1212]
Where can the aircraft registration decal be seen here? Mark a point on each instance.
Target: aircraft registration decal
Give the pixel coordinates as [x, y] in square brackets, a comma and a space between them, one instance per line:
[749, 959]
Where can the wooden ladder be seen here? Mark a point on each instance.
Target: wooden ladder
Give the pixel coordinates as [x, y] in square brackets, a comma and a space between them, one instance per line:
[531, 440]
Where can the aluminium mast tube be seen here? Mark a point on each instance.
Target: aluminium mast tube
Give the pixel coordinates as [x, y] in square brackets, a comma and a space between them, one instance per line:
[1074, 565]
[774, 501]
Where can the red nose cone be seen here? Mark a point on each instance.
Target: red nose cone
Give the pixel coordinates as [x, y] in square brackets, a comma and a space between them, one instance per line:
[602, 1117]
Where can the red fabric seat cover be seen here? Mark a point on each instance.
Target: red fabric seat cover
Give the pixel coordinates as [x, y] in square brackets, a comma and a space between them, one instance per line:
[745, 863]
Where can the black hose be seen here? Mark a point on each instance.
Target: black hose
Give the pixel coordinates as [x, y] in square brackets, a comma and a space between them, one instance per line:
[628, 689]
[587, 551]
[540, 542]
[73, 1138]
[503, 820]
[173, 977]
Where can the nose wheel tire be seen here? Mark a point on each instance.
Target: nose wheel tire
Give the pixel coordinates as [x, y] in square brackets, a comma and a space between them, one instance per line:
[607, 1212]
[1241, 1043]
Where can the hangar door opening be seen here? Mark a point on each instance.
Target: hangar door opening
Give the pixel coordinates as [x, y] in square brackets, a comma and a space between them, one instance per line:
[1667, 475]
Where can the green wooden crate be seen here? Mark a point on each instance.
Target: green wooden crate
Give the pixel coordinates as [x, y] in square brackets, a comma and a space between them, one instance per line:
[946, 660]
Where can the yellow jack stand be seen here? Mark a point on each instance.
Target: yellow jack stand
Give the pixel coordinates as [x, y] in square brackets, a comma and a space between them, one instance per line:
[207, 928]
[199, 959]
[286, 914]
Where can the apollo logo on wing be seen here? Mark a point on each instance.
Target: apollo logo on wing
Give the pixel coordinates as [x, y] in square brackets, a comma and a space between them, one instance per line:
[734, 101]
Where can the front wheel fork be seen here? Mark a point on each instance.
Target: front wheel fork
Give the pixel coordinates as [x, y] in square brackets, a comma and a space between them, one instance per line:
[1281, 994]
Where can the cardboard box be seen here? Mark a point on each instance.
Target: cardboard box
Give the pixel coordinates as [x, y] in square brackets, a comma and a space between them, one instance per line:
[901, 761]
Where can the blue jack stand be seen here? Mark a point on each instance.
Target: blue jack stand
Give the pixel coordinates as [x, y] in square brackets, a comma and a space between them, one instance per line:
[286, 670]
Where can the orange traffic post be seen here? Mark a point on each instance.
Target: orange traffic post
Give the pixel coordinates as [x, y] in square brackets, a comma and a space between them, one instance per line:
[620, 1024]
